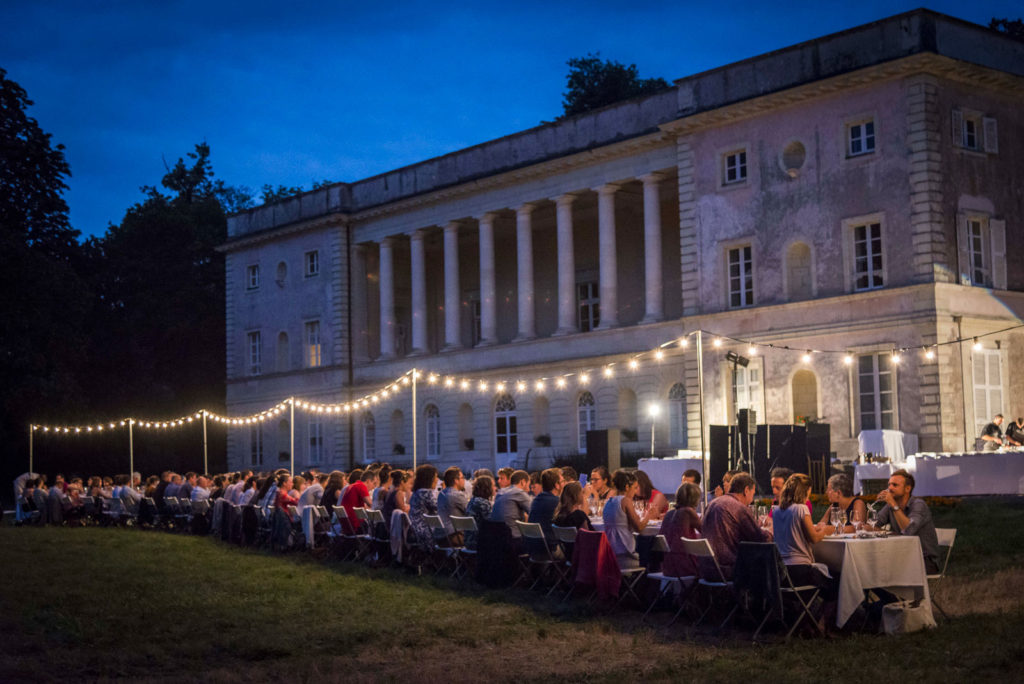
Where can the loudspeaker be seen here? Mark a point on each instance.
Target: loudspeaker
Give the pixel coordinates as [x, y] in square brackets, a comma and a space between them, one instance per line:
[719, 461]
[746, 421]
[604, 446]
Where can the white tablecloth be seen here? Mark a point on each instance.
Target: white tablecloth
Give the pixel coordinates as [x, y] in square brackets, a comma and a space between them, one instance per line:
[667, 473]
[893, 444]
[985, 472]
[893, 563]
[653, 529]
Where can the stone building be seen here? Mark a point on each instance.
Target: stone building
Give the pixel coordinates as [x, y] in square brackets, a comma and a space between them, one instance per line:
[821, 210]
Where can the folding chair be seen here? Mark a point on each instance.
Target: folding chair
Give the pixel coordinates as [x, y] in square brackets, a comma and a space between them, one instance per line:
[348, 537]
[378, 534]
[436, 551]
[761, 576]
[702, 549]
[364, 535]
[467, 555]
[566, 539]
[540, 554]
[946, 536]
[681, 586]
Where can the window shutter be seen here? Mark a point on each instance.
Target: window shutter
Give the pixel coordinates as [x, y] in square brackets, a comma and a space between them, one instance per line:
[997, 239]
[963, 253]
[958, 128]
[991, 133]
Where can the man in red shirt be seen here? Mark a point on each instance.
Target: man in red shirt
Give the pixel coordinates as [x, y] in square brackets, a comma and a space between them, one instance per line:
[358, 496]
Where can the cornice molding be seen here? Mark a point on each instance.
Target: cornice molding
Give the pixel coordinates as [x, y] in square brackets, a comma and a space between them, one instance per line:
[337, 220]
[927, 63]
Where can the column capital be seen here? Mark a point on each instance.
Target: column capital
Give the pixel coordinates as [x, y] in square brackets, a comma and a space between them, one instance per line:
[607, 188]
[525, 209]
[452, 226]
[565, 199]
[389, 241]
[487, 217]
[653, 177]
[418, 235]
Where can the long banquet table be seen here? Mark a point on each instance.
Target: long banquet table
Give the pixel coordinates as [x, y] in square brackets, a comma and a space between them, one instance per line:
[955, 474]
[892, 563]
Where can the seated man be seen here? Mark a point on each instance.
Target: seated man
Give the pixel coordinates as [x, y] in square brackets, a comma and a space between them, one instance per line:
[201, 490]
[452, 500]
[992, 434]
[909, 515]
[692, 476]
[513, 502]
[1015, 433]
[728, 521]
[542, 510]
[779, 477]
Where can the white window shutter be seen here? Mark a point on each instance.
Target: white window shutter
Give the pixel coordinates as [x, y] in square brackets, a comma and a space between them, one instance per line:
[997, 239]
[991, 133]
[963, 253]
[958, 128]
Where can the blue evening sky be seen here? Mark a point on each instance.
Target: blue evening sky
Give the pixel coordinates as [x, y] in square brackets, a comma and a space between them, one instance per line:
[292, 92]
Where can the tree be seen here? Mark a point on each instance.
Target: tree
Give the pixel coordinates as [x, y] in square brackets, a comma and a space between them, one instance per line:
[44, 300]
[1011, 27]
[593, 83]
[281, 192]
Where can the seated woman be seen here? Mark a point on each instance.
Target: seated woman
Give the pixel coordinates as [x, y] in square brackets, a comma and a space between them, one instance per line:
[571, 510]
[621, 520]
[795, 532]
[398, 496]
[681, 521]
[654, 501]
[840, 492]
[599, 489]
[284, 497]
[479, 507]
[423, 502]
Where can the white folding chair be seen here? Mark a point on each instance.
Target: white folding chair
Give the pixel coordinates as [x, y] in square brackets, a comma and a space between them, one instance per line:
[946, 536]
[566, 538]
[670, 584]
[467, 555]
[436, 552]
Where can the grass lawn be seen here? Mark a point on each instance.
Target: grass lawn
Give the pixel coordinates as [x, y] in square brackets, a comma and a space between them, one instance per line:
[105, 603]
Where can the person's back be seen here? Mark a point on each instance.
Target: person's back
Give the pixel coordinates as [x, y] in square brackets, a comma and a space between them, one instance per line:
[616, 527]
[542, 511]
[679, 523]
[513, 502]
[790, 536]
[727, 521]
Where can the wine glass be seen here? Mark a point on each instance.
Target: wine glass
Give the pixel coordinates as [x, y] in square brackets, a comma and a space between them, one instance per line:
[762, 515]
[834, 517]
[872, 517]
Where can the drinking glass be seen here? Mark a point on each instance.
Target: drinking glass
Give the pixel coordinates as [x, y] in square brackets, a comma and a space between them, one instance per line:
[872, 517]
[834, 517]
[762, 514]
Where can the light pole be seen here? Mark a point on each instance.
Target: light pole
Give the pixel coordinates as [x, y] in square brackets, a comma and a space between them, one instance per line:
[653, 412]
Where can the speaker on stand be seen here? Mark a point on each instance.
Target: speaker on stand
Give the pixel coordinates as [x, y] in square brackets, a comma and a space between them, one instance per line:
[746, 428]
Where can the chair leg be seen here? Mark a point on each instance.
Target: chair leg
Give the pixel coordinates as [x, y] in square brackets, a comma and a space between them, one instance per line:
[684, 601]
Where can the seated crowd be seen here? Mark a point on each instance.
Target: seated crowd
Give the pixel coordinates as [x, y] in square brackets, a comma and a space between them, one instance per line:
[622, 505]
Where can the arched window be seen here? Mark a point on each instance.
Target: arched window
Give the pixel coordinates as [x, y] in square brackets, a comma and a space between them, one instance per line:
[369, 437]
[805, 395]
[433, 416]
[799, 283]
[284, 440]
[397, 432]
[541, 409]
[627, 415]
[282, 352]
[466, 438]
[677, 415]
[506, 440]
[586, 419]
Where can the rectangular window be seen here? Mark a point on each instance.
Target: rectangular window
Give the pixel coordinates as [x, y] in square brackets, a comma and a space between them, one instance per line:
[312, 263]
[506, 441]
[741, 277]
[977, 244]
[252, 277]
[876, 392]
[256, 445]
[747, 388]
[312, 355]
[255, 344]
[867, 254]
[475, 318]
[970, 137]
[988, 387]
[861, 138]
[734, 167]
[315, 453]
[972, 131]
[588, 305]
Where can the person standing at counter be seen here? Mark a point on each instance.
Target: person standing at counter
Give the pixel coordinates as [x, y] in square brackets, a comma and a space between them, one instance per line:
[992, 434]
[1015, 433]
[909, 515]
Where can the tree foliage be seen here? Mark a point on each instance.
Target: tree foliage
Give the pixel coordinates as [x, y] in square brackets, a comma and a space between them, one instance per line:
[271, 194]
[593, 83]
[1011, 27]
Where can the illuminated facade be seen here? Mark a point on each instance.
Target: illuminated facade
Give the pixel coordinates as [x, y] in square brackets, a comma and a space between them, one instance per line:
[851, 196]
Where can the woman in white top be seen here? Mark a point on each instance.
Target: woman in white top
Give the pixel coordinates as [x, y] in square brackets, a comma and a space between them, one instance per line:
[621, 520]
[795, 532]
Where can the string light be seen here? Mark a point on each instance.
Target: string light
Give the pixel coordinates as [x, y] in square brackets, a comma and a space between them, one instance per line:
[930, 354]
[977, 345]
[633, 364]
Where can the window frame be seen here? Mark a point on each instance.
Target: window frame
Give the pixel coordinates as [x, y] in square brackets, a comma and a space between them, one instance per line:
[586, 419]
[432, 421]
[369, 430]
[312, 344]
[256, 444]
[254, 355]
[677, 427]
[588, 308]
[741, 167]
[877, 412]
[849, 241]
[983, 415]
[511, 431]
[860, 124]
[756, 401]
[745, 275]
[314, 442]
[252, 277]
[311, 263]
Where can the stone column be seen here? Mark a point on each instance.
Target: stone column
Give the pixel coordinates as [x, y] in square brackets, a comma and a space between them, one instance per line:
[566, 266]
[419, 292]
[609, 281]
[488, 303]
[451, 286]
[652, 249]
[387, 299]
[524, 263]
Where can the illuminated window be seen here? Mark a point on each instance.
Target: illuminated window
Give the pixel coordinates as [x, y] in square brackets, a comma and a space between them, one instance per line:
[312, 355]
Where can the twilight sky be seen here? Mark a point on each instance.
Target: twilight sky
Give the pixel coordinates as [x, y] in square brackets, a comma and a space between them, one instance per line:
[289, 93]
